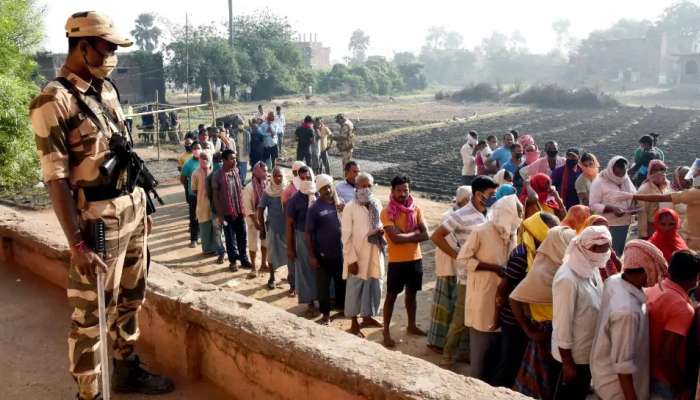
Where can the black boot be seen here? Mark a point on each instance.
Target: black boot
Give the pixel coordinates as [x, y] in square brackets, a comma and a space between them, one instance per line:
[129, 377]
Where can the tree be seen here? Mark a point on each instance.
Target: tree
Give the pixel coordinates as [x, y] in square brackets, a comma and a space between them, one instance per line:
[453, 40]
[682, 22]
[359, 42]
[20, 34]
[404, 57]
[561, 30]
[146, 33]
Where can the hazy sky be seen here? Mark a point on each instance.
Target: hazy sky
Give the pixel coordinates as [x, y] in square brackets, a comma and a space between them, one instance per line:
[393, 26]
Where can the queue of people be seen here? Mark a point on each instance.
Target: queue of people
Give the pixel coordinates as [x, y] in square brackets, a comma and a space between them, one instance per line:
[540, 284]
[579, 306]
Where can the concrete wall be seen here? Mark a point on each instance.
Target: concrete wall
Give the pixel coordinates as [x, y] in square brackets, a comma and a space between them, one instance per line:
[250, 349]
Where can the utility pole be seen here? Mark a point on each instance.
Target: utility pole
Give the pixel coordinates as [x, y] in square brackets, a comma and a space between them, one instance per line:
[230, 23]
[187, 70]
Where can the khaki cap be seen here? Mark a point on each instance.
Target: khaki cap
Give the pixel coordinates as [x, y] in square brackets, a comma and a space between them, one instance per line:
[94, 24]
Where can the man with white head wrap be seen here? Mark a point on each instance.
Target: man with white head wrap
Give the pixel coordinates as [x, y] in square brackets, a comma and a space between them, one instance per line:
[271, 219]
[294, 184]
[485, 253]
[323, 241]
[576, 291]
[363, 255]
[620, 352]
[297, 252]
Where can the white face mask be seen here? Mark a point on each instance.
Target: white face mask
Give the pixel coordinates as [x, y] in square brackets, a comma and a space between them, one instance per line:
[109, 63]
[307, 187]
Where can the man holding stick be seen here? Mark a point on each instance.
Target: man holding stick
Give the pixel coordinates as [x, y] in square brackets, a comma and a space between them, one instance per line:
[72, 143]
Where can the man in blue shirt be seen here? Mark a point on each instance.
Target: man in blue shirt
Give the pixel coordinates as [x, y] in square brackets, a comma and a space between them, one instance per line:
[502, 154]
[516, 159]
[270, 132]
[346, 188]
[323, 239]
[186, 179]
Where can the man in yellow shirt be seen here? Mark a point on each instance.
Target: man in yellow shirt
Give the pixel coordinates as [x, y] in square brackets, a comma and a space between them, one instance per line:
[405, 229]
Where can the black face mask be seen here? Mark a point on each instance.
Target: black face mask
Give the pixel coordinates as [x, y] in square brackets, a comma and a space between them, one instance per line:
[571, 163]
[552, 153]
[188, 149]
[518, 156]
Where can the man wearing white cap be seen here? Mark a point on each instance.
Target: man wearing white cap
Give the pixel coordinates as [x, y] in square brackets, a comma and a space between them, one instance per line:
[690, 197]
[72, 142]
[323, 240]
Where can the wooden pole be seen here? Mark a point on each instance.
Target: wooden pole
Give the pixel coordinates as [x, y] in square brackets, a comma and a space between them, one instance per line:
[157, 123]
[230, 23]
[187, 70]
[211, 101]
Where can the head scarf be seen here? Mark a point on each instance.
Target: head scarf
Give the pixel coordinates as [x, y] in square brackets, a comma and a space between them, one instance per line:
[536, 288]
[259, 182]
[505, 189]
[296, 165]
[308, 188]
[667, 242]
[273, 189]
[576, 217]
[662, 183]
[591, 172]
[504, 217]
[499, 178]
[541, 183]
[642, 254]
[593, 219]
[624, 183]
[323, 180]
[677, 182]
[526, 140]
[583, 261]
[409, 208]
[533, 233]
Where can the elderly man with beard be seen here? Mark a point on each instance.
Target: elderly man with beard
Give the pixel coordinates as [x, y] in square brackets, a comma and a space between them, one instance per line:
[363, 256]
[323, 240]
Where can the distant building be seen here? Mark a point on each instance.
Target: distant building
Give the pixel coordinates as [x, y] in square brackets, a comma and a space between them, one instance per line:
[138, 74]
[315, 55]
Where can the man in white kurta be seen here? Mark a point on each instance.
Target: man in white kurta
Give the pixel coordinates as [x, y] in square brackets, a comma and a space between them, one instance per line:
[363, 261]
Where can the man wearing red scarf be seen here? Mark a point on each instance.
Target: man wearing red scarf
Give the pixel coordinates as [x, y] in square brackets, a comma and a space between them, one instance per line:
[404, 229]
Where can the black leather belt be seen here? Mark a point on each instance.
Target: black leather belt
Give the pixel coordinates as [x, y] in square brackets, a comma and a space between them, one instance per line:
[100, 193]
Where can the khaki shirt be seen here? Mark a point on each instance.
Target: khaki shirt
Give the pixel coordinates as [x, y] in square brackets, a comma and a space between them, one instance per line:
[345, 137]
[70, 144]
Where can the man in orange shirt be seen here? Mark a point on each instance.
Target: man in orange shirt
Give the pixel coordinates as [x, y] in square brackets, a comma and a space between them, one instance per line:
[405, 229]
[670, 317]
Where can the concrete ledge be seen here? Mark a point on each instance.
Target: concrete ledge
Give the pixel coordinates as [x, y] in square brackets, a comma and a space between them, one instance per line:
[250, 349]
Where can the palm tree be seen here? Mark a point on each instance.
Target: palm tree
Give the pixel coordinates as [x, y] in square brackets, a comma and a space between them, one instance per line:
[146, 33]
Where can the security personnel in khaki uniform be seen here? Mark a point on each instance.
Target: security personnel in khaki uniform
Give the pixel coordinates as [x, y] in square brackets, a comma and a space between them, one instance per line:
[344, 140]
[73, 119]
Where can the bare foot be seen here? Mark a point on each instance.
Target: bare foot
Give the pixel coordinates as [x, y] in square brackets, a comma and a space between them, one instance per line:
[325, 320]
[291, 293]
[356, 331]
[369, 322]
[414, 330]
[389, 342]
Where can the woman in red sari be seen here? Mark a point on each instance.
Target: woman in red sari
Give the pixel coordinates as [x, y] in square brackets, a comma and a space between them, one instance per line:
[667, 222]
